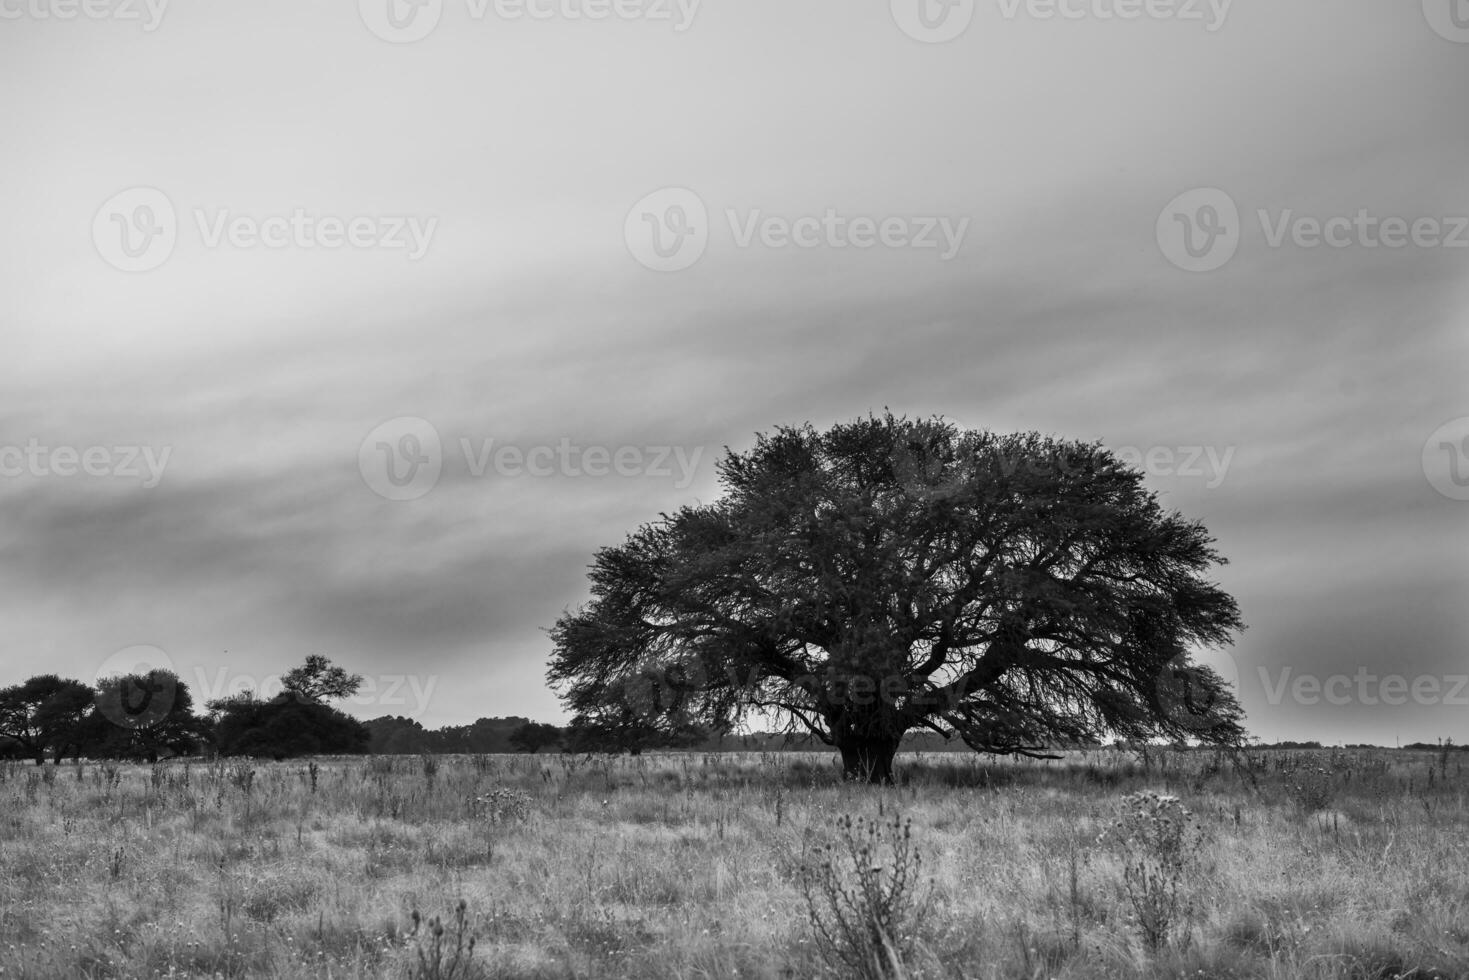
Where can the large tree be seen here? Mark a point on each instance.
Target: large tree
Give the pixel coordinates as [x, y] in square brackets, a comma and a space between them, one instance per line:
[295, 722]
[284, 727]
[45, 712]
[144, 715]
[535, 735]
[886, 575]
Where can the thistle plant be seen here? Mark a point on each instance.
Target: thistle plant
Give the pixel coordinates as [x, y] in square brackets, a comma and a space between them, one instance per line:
[444, 953]
[501, 805]
[1158, 841]
[863, 897]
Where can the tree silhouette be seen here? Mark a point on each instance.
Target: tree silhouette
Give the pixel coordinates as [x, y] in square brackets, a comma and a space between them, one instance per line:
[45, 712]
[887, 575]
[319, 680]
[623, 728]
[284, 727]
[533, 736]
[141, 716]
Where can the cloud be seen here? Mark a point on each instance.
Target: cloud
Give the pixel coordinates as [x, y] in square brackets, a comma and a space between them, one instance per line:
[528, 323]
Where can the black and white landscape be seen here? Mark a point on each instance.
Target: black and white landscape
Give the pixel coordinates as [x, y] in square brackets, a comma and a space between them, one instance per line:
[697, 488]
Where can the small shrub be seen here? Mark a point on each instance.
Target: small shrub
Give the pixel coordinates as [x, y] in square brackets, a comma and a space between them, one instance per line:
[501, 805]
[243, 776]
[1311, 789]
[442, 956]
[864, 910]
[1158, 841]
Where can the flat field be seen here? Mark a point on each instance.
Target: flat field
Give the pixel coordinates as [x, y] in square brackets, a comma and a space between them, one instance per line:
[1296, 865]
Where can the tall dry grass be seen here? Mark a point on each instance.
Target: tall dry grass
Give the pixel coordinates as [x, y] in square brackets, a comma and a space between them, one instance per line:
[1315, 865]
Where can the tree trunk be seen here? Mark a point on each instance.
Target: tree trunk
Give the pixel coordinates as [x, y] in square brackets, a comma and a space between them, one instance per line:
[868, 759]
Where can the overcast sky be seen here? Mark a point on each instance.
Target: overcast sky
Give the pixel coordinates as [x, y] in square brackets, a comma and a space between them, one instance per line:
[245, 242]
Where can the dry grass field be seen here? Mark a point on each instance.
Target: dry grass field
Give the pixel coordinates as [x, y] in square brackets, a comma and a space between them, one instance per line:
[1301, 865]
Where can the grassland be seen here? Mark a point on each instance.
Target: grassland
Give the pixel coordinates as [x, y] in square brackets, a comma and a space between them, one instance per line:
[1312, 865]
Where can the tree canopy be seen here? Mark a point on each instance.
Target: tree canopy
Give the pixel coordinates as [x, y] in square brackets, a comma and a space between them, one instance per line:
[44, 712]
[888, 575]
[534, 736]
[295, 722]
[143, 715]
[319, 680]
[285, 727]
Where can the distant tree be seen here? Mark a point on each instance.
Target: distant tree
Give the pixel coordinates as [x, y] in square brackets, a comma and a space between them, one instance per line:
[534, 735]
[484, 735]
[143, 716]
[319, 680]
[44, 713]
[891, 575]
[392, 735]
[626, 730]
[284, 727]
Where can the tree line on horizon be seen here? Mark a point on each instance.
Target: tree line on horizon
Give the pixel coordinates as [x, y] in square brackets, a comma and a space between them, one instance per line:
[149, 715]
[878, 584]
